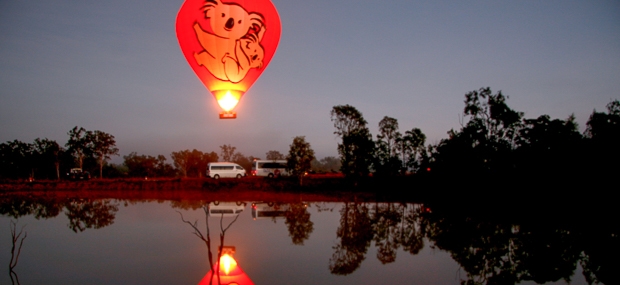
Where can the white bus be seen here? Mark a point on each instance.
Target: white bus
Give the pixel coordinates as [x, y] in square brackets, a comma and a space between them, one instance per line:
[269, 168]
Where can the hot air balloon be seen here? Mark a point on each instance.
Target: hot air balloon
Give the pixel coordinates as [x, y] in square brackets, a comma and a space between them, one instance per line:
[228, 44]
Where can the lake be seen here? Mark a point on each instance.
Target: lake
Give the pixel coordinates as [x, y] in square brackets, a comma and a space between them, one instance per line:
[289, 239]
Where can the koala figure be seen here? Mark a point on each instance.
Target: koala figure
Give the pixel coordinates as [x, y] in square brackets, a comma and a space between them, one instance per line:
[232, 27]
[248, 54]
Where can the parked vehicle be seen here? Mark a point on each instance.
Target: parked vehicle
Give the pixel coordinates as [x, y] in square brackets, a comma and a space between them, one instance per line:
[217, 170]
[269, 168]
[78, 174]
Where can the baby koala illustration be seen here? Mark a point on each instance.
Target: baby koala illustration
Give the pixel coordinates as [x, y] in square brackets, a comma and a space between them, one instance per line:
[248, 54]
[233, 28]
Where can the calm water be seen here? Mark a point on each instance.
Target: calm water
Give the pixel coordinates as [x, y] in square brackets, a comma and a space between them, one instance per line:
[113, 241]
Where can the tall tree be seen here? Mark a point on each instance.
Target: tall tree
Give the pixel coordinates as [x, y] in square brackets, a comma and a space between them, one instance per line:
[181, 161]
[78, 144]
[547, 146]
[16, 159]
[357, 147]
[388, 134]
[274, 155]
[486, 141]
[411, 145]
[299, 158]
[192, 163]
[103, 146]
[386, 153]
[147, 166]
[603, 133]
[49, 152]
[227, 152]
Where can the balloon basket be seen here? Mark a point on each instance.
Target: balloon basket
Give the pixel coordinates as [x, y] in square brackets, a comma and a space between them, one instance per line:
[228, 115]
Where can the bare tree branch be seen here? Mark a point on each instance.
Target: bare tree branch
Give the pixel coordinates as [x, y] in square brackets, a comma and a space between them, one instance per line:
[15, 257]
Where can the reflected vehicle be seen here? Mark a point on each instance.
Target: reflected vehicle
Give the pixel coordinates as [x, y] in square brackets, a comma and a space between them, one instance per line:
[270, 210]
[225, 209]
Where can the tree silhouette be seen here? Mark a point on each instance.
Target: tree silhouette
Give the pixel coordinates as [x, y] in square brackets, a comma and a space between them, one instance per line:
[485, 142]
[103, 146]
[49, 153]
[326, 164]
[411, 146]
[17, 159]
[547, 146]
[603, 132]
[147, 166]
[274, 155]
[192, 163]
[299, 158]
[387, 151]
[357, 147]
[227, 152]
[78, 144]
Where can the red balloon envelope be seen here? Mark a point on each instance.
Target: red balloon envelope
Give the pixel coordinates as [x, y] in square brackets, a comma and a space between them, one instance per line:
[228, 44]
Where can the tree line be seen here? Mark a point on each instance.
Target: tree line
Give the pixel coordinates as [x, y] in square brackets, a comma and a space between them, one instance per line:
[493, 139]
[91, 151]
[46, 159]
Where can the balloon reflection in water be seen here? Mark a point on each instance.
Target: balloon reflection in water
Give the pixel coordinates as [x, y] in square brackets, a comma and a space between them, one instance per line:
[228, 271]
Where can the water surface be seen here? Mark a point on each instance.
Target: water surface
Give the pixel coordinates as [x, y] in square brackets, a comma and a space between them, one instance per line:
[129, 241]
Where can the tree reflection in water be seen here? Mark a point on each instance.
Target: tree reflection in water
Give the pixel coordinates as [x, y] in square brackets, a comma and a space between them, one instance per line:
[489, 252]
[492, 252]
[206, 238]
[354, 235]
[82, 213]
[16, 237]
[386, 219]
[298, 222]
[389, 225]
[489, 248]
[85, 214]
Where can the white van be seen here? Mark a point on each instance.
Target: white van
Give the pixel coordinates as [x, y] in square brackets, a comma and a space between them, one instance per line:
[217, 170]
[269, 168]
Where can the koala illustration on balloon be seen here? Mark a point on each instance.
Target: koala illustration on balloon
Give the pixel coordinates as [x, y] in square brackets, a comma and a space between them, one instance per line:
[233, 47]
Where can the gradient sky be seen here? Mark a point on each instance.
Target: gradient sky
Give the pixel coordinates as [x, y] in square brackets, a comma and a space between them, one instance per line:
[116, 66]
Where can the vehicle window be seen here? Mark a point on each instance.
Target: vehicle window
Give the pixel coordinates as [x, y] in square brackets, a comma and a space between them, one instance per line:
[222, 211]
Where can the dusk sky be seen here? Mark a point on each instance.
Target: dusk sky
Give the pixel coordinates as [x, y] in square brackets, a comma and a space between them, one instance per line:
[116, 66]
